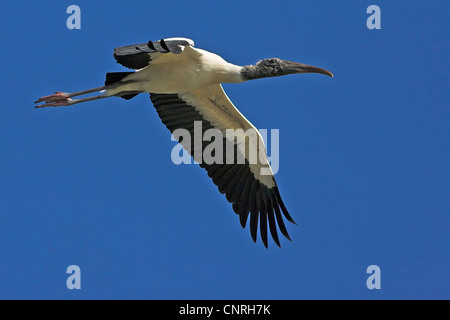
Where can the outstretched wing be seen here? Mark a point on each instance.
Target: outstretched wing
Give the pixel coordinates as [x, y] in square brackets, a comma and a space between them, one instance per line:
[251, 190]
[139, 56]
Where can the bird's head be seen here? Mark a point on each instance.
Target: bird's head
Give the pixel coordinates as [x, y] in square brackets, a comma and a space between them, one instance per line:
[275, 67]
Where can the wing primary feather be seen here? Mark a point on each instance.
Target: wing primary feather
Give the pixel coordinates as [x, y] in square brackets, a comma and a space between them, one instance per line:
[251, 202]
[282, 206]
[254, 215]
[272, 224]
[235, 207]
[244, 199]
[263, 224]
[254, 224]
[252, 199]
[281, 222]
[164, 45]
[243, 218]
[151, 46]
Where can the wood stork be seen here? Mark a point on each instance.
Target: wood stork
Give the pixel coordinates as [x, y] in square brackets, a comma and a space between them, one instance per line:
[185, 87]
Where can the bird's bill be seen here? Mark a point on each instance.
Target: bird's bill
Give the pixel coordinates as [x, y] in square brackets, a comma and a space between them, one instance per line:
[295, 67]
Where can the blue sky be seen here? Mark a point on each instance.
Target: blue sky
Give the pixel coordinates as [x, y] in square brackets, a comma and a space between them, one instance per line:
[364, 157]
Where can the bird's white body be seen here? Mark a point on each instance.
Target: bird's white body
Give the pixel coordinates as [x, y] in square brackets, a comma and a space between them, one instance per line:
[175, 73]
[185, 88]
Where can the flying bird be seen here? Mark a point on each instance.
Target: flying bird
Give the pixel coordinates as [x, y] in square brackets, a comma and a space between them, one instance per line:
[184, 84]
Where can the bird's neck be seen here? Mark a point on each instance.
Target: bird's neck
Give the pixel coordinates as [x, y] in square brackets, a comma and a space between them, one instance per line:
[252, 72]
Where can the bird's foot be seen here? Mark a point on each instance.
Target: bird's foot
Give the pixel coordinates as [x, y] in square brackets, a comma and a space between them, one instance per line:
[58, 99]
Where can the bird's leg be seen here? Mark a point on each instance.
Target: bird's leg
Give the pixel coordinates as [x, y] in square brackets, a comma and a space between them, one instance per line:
[53, 100]
[69, 102]
[59, 99]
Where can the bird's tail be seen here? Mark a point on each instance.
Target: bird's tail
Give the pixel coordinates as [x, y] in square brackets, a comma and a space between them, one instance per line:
[113, 77]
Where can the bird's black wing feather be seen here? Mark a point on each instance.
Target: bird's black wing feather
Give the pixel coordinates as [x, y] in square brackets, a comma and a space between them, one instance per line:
[139, 56]
[246, 193]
